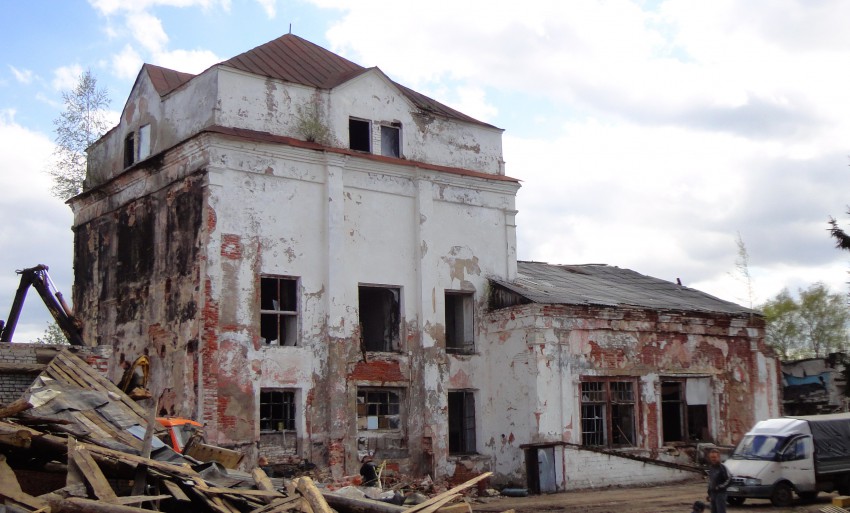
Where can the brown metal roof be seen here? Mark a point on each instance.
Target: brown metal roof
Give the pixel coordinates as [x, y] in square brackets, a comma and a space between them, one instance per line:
[166, 80]
[296, 60]
[293, 59]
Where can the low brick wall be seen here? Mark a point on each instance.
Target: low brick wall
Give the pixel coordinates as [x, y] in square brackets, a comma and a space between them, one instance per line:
[586, 469]
[20, 364]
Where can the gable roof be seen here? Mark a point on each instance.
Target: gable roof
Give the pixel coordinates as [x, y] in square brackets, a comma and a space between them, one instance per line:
[294, 59]
[605, 285]
[166, 80]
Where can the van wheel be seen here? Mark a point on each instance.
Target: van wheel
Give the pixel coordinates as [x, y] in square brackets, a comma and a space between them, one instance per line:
[735, 501]
[808, 497]
[783, 495]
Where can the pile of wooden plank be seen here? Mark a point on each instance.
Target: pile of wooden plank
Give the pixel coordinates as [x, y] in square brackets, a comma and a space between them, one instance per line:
[73, 444]
[98, 479]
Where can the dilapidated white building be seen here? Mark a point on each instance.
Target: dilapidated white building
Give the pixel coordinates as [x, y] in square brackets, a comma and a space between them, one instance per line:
[321, 263]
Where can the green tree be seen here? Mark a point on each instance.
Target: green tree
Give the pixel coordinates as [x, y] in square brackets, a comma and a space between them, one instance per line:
[782, 327]
[81, 123]
[813, 325]
[742, 266]
[52, 335]
[823, 320]
[842, 240]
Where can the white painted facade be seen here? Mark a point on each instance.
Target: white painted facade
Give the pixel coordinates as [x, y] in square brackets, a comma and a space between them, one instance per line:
[440, 218]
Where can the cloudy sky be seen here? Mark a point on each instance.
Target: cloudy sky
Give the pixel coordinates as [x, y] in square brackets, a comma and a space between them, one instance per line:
[647, 134]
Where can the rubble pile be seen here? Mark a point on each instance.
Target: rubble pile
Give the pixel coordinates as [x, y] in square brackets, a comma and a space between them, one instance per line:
[33, 460]
[75, 443]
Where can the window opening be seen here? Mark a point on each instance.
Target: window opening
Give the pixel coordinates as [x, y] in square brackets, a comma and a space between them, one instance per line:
[459, 322]
[144, 142]
[672, 411]
[277, 410]
[622, 413]
[359, 135]
[390, 141]
[593, 401]
[698, 423]
[378, 409]
[608, 413]
[462, 422]
[379, 318]
[129, 149]
[279, 311]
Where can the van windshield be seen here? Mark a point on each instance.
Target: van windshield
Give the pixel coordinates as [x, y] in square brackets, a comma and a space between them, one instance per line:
[758, 447]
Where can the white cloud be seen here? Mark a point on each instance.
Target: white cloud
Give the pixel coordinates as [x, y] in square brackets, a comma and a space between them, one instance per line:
[66, 77]
[48, 101]
[472, 100]
[108, 7]
[188, 61]
[147, 30]
[270, 6]
[127, 63]
[148, 35]
[41, 231]
[24, 76]
[668, 201]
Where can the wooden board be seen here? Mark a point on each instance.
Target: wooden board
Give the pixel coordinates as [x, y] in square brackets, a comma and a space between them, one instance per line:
[91, 472]
[436, 499]
[11, 489]
[175, 491]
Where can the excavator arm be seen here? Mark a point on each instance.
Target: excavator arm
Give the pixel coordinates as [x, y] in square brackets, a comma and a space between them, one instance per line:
[38, 278]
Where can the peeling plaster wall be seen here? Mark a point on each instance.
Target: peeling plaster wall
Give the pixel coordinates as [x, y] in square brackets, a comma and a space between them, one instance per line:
[425, 137]
[555, 346]
[336, 223]
[174, 118]
[138, 260]
[263, 104]
[331, 221]
[232, 98]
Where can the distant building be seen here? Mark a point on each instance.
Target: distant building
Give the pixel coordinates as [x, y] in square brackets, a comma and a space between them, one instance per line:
[815, 386]
[321, 264]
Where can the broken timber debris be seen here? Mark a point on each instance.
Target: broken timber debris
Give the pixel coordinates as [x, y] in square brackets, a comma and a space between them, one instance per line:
[69, 445]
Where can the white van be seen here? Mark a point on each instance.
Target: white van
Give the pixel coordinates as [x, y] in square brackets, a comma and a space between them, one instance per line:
[779, 457]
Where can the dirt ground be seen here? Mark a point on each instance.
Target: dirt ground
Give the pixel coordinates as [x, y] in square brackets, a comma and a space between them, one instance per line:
[659, 499]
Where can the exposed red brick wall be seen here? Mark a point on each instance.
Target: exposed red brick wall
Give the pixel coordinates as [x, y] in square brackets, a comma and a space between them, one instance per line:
[231, 246]
[377, 370]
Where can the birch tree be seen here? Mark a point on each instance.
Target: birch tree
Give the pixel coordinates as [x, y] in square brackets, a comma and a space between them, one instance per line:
[78, 126]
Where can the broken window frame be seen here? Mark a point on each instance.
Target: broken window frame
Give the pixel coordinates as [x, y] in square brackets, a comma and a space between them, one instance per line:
[358, 140]
[384, 404]
[129, 149]
[393, 148]
[609, 411]
[461, 432]
[460, 339]
[669, 403]
[287, 321]
[687, 412]
[392, 336]
[283, 399]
